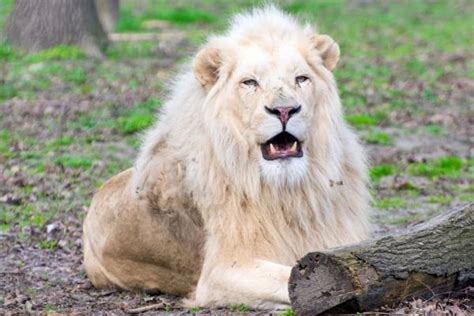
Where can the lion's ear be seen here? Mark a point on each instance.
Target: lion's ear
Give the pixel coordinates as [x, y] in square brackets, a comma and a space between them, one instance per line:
[206, 65]
[328, 49]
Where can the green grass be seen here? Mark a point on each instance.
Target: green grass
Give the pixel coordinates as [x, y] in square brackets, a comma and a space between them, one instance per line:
[60, 52]
[450, 166]
[195, 310]
[74, 161]
[7, 52]
[362, 120]
[133, 21]
[23, 215]
[50, 308]
[403, 220]
[440, 199]
[124, 50]
[7, 91]
[184, 15]
[60, 142]
[392, 202]
[435, 129]
[139, 118]
[136, 122]
[4, 227]
[288, 312]
[380, 171]
[76, 76]
[379, 138]
[238, 308]
[48, 244]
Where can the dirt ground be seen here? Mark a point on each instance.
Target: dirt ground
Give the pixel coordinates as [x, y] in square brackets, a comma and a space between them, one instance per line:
[67, 124]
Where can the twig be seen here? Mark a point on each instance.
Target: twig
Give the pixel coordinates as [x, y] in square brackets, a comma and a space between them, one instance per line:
[12, 272]
[102, 294]
[145, 308]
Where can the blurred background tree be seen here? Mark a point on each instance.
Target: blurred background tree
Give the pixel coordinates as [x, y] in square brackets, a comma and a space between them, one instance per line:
[35, 25]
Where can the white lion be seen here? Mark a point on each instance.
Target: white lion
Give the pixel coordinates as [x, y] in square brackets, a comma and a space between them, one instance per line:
[250, 166]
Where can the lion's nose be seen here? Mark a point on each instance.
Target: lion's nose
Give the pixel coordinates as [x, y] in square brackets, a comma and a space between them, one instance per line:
[284, 112]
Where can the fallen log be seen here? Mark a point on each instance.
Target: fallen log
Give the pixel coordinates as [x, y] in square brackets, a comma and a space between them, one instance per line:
[426, 260]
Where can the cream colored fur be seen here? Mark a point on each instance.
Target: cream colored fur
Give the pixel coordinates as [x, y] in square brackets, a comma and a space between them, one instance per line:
[202, 213]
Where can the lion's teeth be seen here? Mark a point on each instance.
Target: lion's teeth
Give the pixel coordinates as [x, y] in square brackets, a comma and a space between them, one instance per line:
[294, 147]
[272, 149]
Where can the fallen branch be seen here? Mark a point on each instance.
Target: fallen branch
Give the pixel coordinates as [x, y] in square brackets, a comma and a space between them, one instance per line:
[428, 259]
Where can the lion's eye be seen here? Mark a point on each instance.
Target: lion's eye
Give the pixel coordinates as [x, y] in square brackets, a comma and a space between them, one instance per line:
[250, 82]
[301, 79]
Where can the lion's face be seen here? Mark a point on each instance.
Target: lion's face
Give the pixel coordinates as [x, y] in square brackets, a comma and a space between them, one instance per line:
[269, 98]
[275, 104]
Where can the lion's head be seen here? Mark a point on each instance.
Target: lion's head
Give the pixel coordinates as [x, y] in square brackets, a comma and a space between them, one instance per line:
[271, 97]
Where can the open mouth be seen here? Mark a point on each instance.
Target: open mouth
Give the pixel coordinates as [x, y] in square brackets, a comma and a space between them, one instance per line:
[283, 145]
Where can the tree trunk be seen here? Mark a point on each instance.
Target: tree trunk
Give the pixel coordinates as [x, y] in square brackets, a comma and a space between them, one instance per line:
[108, 11]
[432, 258]
[35, 25]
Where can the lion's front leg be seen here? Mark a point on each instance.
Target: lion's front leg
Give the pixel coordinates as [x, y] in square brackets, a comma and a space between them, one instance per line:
[259, 284]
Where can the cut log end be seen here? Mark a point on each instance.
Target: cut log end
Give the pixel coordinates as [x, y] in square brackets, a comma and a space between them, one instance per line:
[317, 283]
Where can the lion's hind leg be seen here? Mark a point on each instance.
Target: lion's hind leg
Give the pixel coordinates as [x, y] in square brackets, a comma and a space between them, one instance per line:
[130, 245]
[96, 273]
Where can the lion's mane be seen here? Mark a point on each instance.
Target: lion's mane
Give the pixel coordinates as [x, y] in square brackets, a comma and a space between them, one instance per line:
[200, 156]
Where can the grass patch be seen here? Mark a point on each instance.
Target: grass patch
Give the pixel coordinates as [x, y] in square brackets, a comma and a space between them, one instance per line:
[379, 138]
[7, 91]
[128, 22]
[435, 129]
[50, 308]
[239, 308]
[23, 215]
[7, 52]
[131, 50]
[136, 122]
[138, 119]
[466, 197]
[288, 312]
[60, 142]
[48, 244]
[449, 166]
[366, 120]
[75, 76]
[440, 199]
[184, 15]
[133, 22]
[403, 220]
[73, 161]
[362, 120]
[195, 309]
[59, 52]
[392, 202]
[4, 227]
[381, 171]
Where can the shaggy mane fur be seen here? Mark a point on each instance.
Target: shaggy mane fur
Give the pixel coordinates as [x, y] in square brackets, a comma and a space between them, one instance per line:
[225, 183]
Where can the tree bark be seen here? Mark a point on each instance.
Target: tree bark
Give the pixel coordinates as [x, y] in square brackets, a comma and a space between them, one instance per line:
[35, 25]
[431, 258]
[108, 11]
